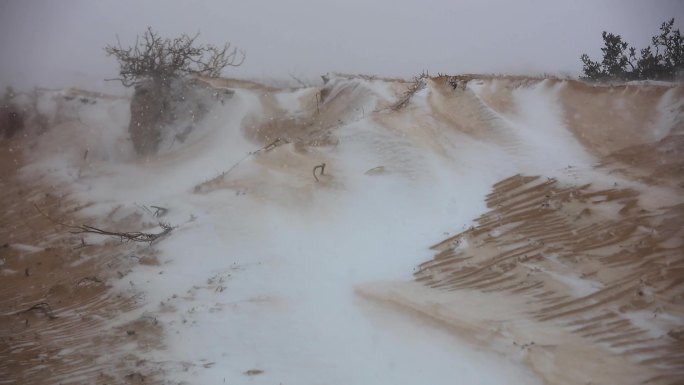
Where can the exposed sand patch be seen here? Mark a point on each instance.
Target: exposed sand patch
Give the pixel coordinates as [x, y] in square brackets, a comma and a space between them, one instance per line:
[660, 163]
[459, 109]
[498, 92]
[610, 118]
[64, 280]
[587, 282]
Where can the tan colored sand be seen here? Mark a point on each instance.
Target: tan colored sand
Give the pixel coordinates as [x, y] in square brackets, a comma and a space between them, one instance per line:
[586, 282]
[608, 119]
[583, 284]
[66, 282]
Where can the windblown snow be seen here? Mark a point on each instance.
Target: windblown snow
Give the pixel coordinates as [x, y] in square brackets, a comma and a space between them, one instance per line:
[273, 277]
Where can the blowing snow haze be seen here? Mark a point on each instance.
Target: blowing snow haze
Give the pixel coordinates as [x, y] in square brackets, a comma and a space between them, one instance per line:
[349, 229]
[60, 43]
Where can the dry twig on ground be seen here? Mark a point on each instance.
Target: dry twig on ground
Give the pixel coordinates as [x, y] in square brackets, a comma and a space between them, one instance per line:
[266, 148]
[158, 210]
[417, 85]
[136, 236]
[318, 167]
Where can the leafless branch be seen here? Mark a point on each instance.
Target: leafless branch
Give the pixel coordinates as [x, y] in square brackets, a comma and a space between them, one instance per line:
[162, 59]
[159, 211]
[135, 236]
[299, 81]
[417, 85]
[206, 184]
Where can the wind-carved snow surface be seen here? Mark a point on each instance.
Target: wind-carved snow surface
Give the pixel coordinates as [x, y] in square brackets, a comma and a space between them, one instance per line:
[542, 141]
[249, 282]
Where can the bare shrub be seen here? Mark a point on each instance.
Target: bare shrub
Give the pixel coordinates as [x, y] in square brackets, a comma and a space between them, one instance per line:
[160, 69]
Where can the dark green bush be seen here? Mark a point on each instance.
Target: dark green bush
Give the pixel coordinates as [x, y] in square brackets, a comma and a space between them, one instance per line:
[663, 60]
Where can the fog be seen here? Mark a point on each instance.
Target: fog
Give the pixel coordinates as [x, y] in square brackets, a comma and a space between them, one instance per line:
[60, 43]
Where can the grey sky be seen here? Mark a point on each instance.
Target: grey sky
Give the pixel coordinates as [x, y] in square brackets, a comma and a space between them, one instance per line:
[60, 43]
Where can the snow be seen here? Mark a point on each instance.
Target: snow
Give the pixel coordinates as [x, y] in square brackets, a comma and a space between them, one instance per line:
[289, 100]
[287, 304]
[542, 143]
[264, 277]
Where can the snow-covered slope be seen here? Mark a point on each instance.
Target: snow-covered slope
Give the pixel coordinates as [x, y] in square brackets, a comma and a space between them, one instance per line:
[258, 282]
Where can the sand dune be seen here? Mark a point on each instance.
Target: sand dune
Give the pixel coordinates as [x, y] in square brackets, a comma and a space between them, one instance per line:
[571, 272]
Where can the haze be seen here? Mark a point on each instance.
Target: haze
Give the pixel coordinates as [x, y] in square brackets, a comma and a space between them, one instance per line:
[60, 43]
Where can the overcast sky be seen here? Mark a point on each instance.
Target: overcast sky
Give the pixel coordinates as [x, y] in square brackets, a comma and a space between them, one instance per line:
[60, 43]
